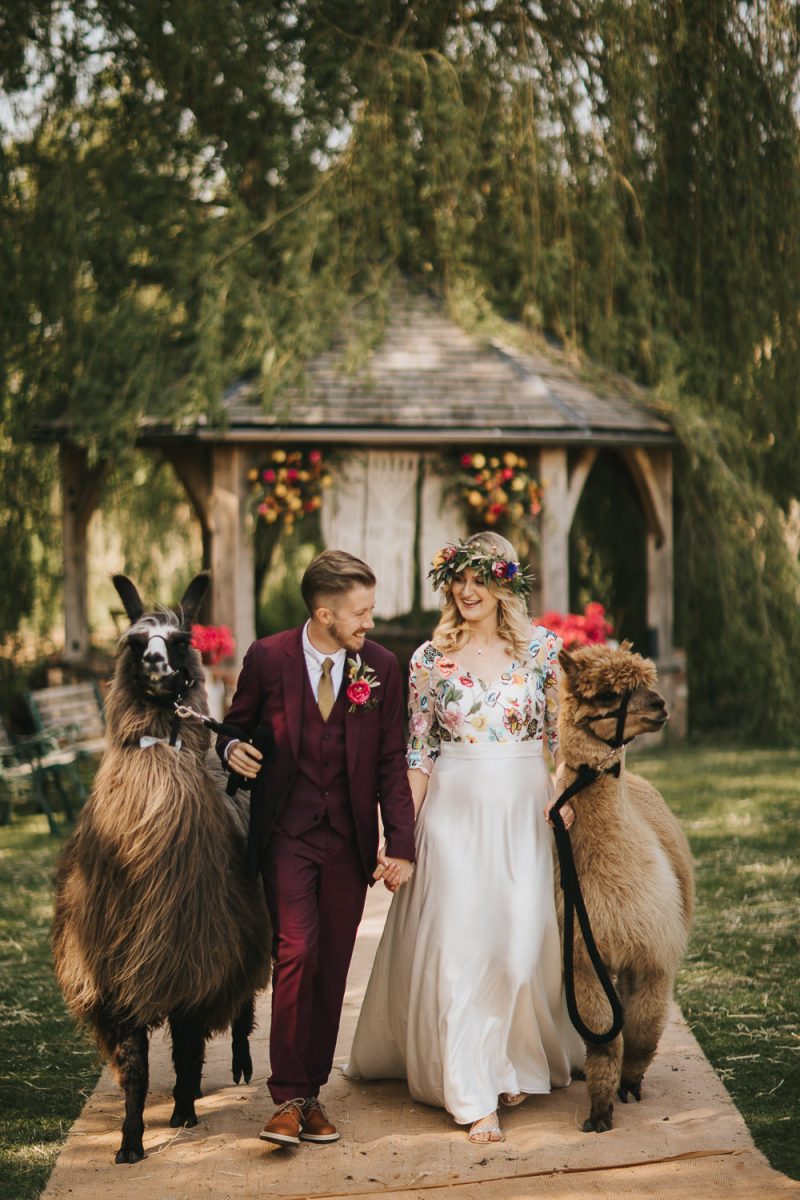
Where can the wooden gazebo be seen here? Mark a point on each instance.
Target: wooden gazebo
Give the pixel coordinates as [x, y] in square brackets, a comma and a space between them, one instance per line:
[426, 389]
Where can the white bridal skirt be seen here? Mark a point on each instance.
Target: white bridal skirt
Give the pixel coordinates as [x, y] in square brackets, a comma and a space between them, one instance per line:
[465, 999]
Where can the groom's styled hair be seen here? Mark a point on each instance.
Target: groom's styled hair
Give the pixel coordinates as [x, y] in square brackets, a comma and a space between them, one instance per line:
[332, 573]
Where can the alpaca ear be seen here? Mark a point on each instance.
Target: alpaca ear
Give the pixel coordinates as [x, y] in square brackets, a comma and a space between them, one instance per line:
[568, 665]
[193, 598]
[626, 645]
[129, 596]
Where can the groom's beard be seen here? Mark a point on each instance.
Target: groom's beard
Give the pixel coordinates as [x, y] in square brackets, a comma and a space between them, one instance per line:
[348, 641]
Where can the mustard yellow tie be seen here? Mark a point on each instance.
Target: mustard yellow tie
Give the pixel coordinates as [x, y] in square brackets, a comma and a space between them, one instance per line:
[326, 696]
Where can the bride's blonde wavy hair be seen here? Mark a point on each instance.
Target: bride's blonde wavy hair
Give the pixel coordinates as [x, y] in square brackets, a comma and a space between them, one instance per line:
[513, 620]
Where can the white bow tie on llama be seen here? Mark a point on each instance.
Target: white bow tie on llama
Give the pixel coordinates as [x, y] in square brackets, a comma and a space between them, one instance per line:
[146, 742]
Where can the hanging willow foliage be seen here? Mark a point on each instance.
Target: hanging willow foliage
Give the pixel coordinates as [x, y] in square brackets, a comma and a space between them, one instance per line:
[196, 191]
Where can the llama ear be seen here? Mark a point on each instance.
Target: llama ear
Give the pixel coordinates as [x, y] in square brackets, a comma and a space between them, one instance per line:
[568, 665]
[129, 596]
[193, 598]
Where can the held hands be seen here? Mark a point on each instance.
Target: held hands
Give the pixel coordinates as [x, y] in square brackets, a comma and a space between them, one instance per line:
[244, 759]
[393, 871]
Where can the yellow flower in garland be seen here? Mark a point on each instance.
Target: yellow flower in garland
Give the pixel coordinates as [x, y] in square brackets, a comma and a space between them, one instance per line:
[289, 487]
[500, 491]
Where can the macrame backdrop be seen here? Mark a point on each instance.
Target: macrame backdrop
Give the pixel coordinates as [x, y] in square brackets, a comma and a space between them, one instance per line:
[441, 521]
[371, 512]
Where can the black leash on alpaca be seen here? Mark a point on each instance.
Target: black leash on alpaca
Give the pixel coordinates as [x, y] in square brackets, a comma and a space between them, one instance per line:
[573, 897]
[263, 740]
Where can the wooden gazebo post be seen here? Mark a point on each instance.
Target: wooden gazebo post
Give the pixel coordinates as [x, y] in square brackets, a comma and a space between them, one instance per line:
[232, 571]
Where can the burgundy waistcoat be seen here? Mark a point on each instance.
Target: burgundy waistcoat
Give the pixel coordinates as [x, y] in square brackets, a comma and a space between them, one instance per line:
[320, 783]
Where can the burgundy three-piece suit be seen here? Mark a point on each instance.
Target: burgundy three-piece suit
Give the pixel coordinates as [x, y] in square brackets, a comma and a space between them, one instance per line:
[319, 806]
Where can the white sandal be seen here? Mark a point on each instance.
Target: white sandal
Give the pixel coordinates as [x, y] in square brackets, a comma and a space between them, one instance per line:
[512, 1099]
[476, 1127]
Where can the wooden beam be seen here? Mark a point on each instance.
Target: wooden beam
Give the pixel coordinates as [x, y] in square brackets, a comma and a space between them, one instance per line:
[556, 520]
[80, 488]
[232, 576]
[562, 493]
[652, 474]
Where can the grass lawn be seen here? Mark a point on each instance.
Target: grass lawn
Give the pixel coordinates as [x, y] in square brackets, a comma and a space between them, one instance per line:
[739, 987]
[47, 1067]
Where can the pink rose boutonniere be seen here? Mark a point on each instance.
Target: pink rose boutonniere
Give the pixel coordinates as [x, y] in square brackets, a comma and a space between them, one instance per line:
[361, 682]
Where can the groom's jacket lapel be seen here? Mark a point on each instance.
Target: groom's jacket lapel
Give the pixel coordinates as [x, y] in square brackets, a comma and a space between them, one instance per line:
[293, 665]
[352, 731]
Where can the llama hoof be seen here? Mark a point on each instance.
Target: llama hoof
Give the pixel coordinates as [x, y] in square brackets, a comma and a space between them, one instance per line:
[630, 1089]
[242, 1068]
[179, 1119]
[600, 1123]
[129, 1156]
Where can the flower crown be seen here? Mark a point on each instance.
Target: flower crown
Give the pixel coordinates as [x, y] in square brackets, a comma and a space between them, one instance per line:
[487, 565]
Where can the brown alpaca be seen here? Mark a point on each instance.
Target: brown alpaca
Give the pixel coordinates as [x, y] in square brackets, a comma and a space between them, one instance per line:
[633, 863]
[154, 918]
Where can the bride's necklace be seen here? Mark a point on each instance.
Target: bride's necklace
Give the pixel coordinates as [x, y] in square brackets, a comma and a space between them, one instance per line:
[480, 649]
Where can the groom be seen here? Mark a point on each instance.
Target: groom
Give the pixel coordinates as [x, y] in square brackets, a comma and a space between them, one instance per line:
[338, 725]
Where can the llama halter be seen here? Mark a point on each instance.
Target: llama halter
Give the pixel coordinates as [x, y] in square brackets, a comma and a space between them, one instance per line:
[488, 565]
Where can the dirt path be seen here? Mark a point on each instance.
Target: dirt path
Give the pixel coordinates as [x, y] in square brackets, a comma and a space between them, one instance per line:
[686, 1139]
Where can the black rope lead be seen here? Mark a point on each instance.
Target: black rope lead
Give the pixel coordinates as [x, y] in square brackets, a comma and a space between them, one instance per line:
[573, 902]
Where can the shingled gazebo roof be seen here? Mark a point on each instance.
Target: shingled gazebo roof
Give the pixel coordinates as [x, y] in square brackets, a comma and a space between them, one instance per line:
[428, 380]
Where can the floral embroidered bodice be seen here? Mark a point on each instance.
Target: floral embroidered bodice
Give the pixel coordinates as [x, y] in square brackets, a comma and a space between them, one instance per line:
[447, 704]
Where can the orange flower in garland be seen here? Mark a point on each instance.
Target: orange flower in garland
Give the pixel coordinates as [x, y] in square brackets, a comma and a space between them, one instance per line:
[289, 486]
[499, 490]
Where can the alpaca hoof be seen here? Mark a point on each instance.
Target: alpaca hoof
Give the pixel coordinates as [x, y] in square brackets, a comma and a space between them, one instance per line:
[632, 1089]
[578, 1075]
[129, 1156]
[600, 1123]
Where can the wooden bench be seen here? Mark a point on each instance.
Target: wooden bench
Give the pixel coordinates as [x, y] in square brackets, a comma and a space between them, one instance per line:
[77, 707]
[28, 763]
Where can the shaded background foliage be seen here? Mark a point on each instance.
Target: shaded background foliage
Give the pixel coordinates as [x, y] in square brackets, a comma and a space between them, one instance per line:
[189, 191]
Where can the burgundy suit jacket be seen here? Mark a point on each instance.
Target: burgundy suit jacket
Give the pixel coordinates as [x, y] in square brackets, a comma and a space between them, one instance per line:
[270, 692]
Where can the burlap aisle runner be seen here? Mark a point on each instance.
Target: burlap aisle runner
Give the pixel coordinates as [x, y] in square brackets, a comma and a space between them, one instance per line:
[686, 1139]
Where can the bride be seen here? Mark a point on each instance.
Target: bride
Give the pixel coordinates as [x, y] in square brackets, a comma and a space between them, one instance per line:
[465, 999]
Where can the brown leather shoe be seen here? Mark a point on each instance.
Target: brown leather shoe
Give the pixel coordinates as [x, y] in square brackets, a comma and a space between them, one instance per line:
[283, 1127]
[316, 1126]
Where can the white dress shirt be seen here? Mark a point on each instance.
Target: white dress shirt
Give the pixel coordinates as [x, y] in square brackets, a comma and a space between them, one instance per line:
[314, 660]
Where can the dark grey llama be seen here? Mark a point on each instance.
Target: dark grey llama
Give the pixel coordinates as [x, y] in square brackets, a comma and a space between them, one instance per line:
[155, 920]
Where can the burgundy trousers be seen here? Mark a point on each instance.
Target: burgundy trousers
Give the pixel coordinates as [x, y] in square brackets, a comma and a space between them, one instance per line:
[315, 888]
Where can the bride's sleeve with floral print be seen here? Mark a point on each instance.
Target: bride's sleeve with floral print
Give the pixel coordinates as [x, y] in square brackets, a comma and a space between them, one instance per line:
[544, 650]
[423, 732]
[552, 683]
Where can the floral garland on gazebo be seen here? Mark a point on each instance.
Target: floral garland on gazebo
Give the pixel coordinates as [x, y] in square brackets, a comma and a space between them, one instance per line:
[500, 491]
[289, 486]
